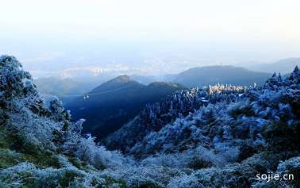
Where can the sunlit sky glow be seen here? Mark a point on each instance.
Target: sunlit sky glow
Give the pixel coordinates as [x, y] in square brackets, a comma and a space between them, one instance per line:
[207, 31]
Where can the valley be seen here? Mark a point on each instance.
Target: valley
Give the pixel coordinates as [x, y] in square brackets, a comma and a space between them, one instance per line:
[215, 136]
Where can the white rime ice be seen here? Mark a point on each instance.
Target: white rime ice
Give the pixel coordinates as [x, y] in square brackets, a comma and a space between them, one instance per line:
[217, 136]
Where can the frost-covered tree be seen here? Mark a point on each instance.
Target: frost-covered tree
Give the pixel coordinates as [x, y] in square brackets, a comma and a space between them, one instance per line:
[41, 136]
[216, 136]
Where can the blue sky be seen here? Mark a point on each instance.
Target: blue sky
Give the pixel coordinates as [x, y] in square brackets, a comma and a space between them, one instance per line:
[152, 36]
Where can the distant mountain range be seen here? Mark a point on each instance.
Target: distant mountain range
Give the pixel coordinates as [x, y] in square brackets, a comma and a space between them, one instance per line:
[110, 105]
[211, 75]
[194, 77]
[283, 66]
[66, 89]
[113, 103]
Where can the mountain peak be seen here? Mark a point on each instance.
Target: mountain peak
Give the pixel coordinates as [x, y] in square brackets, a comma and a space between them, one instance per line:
[118, 82]
[122, 78]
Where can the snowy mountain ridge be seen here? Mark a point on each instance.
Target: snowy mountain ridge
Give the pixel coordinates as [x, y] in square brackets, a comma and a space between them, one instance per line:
[185, 115]
[221, 136]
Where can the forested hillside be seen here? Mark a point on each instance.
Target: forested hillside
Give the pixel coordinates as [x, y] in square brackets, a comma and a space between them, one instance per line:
[227, 116]
[110, 105]
[221, 136]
